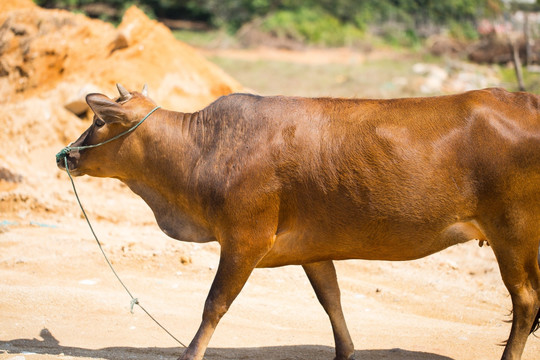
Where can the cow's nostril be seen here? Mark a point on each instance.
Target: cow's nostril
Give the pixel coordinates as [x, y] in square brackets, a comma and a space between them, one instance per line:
[60, 162]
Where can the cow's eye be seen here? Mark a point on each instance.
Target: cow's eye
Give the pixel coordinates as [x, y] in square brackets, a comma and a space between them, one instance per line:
[99, 122]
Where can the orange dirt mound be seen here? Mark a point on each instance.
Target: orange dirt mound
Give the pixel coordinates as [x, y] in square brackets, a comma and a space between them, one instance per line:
[40, 48]
[50, 60]
[9, 5]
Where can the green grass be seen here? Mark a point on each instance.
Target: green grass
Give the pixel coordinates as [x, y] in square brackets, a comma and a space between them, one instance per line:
[381, 78]
[206, 39]
[530, 79]
[376, 79]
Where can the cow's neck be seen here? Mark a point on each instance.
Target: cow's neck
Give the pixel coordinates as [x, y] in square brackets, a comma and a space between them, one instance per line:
[163, 177]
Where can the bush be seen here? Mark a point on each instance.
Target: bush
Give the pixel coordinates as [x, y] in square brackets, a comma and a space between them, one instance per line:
[312, 26]
[462, 31]
[397, 34]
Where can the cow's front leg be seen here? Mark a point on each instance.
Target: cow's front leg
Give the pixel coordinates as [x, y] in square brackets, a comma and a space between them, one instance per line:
[235, 265]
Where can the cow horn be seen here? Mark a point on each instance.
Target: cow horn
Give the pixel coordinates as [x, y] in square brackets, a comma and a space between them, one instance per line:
[123, 92]
[145, 90]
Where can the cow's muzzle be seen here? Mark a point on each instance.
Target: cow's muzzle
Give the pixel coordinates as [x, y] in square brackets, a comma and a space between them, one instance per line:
[70, 157]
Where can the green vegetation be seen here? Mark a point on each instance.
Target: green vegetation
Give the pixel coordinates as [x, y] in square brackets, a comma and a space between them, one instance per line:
[353, 77]
[531, 79]
[313, 26]
[348, 77]
[462, 31]
[206, 39]
[321, 22]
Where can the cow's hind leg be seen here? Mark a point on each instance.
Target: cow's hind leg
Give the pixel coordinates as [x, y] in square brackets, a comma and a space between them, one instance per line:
[322, 276]
[520, 271]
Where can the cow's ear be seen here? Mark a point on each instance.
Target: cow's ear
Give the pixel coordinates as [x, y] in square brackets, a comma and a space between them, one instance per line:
[106, 109]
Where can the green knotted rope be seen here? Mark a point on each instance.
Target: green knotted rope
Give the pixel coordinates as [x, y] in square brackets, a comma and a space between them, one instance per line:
[63, 154]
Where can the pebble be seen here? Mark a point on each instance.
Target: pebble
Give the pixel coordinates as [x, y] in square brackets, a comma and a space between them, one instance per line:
[88, 282]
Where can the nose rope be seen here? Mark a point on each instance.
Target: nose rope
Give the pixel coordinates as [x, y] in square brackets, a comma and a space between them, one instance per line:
[65, 151]
[63, 154]
[134, 300]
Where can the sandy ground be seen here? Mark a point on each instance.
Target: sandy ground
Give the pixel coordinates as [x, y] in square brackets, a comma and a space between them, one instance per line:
[60, 300]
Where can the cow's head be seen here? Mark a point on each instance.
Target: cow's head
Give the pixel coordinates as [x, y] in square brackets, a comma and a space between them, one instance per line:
[111, 117]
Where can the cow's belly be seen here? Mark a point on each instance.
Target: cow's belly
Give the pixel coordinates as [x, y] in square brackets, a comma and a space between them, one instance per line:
[298, 247]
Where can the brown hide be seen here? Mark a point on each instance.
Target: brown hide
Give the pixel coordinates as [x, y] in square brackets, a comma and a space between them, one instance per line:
[283, 180]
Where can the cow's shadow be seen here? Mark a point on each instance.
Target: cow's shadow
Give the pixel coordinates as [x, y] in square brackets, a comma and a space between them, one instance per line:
[48, 344]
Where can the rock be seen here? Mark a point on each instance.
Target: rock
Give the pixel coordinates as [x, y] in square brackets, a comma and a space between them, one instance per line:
[77, 104]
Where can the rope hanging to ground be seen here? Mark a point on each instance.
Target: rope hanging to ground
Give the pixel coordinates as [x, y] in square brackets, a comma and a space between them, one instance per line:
[134, 300]
[63, 154]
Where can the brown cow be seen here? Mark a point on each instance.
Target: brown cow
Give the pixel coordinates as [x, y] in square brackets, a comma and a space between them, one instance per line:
[286, 180]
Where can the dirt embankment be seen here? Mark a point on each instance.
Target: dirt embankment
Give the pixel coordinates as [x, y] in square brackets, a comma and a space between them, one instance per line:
[49, 61]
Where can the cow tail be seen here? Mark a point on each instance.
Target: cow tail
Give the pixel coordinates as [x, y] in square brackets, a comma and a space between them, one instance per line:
[536, 323]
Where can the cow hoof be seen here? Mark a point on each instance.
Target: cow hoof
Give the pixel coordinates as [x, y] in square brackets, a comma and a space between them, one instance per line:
[186, 356]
